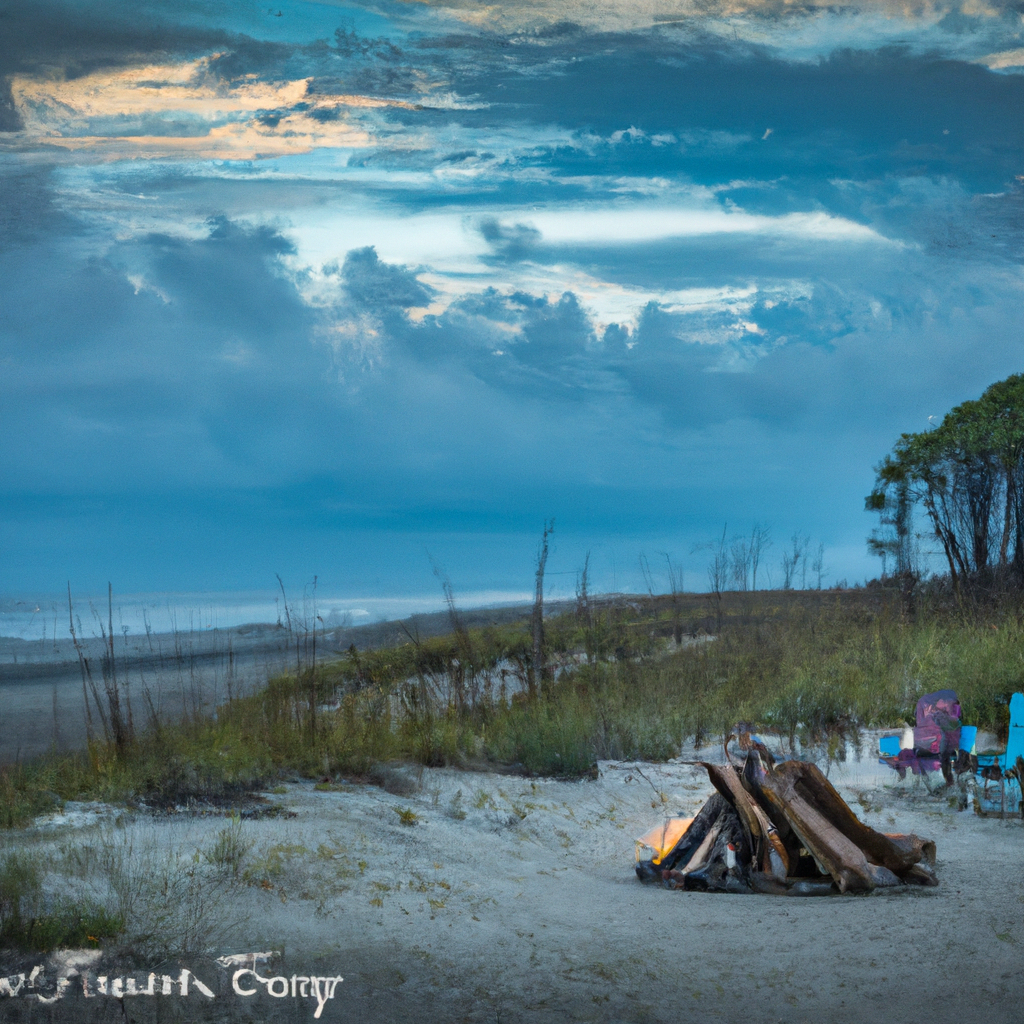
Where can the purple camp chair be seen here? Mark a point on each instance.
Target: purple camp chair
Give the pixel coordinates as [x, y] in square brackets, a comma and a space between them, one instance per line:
[936, 738]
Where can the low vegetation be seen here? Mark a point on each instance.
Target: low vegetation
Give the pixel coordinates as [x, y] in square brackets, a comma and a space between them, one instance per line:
[32, 919]
[814, 666]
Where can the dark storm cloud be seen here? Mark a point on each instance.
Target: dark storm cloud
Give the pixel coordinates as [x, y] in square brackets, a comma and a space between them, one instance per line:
[513, 242]
[380, 287]
[203, 375]
[161, 361]
[553, 332]
[853, 112]
[868, 345]
[523, 345]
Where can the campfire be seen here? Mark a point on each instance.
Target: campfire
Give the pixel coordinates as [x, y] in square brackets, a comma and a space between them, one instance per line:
[781, 829]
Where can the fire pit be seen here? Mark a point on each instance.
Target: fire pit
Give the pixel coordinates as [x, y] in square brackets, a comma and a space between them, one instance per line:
[781, 829]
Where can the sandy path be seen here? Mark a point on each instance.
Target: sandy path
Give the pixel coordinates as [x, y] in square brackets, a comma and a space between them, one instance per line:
[527, 910]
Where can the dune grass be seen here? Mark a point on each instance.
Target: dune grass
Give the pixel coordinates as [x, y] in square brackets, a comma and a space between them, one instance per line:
[816, 665]
[31, 919]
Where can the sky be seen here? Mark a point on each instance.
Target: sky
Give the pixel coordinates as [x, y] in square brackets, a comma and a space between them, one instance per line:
[371, 291]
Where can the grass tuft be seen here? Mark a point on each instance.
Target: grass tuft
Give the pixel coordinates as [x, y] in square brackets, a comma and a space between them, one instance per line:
[33, 920]
[406, 815]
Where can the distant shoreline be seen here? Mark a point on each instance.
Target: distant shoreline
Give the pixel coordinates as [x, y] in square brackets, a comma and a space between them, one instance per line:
[41, 680]
[22, 659]
[44, 618]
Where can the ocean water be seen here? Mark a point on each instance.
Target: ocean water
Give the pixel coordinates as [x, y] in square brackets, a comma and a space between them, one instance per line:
[46, 617]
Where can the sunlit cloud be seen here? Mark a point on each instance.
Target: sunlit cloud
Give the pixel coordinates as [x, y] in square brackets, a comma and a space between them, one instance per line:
[188, 87]
[1005, 59]
[249, 141]
[183, 109]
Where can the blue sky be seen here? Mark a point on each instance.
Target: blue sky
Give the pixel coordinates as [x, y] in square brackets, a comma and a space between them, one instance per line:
[335, 289]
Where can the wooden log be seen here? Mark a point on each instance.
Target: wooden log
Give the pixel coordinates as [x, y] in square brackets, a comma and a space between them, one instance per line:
[896, 852]
[918, 874]
[836, 853]
[726, 781]
[771, 886]
[755, 767]
[700, 856]
[769, 852]
[681, 853]
[719, 872]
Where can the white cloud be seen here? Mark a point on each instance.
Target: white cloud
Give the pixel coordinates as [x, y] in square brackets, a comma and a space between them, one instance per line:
[647, 224]
[452, 255]
[140, 284]
[1004, 59]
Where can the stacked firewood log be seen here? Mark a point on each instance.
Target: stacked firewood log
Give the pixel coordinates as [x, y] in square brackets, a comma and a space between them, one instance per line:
[783, 828]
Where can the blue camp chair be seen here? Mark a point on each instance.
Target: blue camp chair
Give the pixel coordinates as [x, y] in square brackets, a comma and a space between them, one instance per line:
[1014, 741]
[995, 793]
[889, 746]
[968, 734]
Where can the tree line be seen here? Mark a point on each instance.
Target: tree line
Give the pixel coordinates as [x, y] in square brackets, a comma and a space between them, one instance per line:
[967, 475]
[735, 563]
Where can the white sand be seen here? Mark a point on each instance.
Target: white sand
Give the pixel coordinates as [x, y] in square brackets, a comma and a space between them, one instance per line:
[528, 909]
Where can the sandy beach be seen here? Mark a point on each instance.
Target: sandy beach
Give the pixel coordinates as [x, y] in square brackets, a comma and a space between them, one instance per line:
[504, 899]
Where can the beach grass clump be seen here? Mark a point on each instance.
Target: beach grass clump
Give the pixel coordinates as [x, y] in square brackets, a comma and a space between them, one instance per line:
[23, 795]
[35, 920]
[231, 847]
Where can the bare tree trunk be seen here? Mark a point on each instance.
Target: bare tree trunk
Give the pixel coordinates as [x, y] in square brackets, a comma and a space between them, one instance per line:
[760, 540]
[645, 571]
[583, 610]
[537, 668]
[464, 666]
[312, 674]
[89, 732]
[117, 722]
[717, 576]
[818, 565]
[1004, 544]
[1018, 522]
[284, 598]
[675, 583]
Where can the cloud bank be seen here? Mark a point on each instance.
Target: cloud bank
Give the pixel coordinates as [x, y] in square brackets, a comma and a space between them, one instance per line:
[338, 288]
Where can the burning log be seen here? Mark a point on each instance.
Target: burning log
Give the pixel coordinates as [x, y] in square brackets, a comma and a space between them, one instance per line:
[784, 829]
